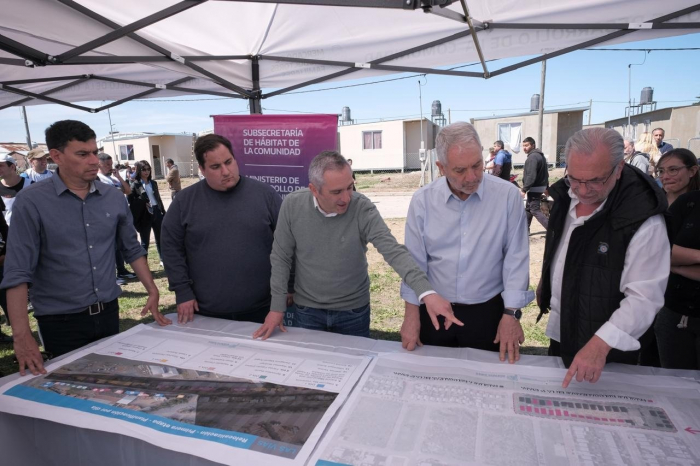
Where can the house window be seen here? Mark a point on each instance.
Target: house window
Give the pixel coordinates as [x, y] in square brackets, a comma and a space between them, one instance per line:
[371, 140]
[509, 133]
[126, 152]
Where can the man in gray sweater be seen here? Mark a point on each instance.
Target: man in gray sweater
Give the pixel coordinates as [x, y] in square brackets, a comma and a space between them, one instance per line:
[325, 230]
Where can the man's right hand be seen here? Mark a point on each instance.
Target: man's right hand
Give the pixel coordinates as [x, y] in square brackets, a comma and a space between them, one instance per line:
[410, 329]
[185, 311]
[439, 306]
[272, 321]
[28, 355]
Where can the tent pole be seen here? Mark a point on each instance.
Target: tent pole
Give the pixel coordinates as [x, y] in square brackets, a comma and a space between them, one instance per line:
[541, 109]
[475, 38]
[255, 97]
[26, 127]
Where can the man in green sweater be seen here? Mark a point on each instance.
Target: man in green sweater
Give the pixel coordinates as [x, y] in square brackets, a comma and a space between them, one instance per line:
[324, 230]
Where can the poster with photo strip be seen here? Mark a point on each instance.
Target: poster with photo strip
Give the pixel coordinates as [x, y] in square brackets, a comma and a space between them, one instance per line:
[228, 400]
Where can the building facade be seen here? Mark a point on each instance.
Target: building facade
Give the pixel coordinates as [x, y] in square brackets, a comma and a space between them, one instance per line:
[155, 149]
[558, 126]
[386, 145]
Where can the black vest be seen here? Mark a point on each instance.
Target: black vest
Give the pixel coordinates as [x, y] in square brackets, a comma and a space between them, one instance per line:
[595, 258]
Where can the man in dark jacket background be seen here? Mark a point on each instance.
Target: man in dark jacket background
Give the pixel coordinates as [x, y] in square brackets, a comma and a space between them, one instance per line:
[535, 182]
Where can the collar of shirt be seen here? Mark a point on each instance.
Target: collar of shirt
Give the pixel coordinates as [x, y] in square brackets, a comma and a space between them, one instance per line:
[320, 209]
[575, 202]
[447, 192]
[61, 186]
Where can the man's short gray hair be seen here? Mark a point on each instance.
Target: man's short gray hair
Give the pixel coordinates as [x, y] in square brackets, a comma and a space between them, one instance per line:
[587, 141]
[102, 157]
[630, 141]
[326, 160]
[460, 133]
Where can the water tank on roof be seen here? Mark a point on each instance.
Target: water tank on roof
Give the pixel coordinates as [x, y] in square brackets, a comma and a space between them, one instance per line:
[436, 108]
[534, 102]
[647, 96]
[346, 114]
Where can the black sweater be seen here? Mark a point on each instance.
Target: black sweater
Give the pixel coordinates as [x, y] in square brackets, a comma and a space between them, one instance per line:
[216, 246]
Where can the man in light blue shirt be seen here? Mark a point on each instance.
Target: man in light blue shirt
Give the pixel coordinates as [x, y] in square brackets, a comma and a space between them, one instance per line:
[468, 232]
[503, 163]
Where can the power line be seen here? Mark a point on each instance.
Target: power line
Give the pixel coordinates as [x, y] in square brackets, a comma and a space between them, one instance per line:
[642, 50]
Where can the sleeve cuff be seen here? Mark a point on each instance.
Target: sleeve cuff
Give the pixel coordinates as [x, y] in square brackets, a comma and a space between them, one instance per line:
[616, 338]
[133, 254]
[423, 295]
[517, 299]
[278, 303]
[408, 295]
[15, 278]
[183, 295]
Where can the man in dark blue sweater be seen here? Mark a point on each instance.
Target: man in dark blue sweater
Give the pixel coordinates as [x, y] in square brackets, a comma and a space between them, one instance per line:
[217, 238]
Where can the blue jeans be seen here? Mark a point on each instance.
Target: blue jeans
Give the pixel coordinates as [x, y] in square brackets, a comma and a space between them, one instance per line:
[351, 322]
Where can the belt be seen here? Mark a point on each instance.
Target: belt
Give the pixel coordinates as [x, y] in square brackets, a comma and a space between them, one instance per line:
[94, 309]
[91, 310]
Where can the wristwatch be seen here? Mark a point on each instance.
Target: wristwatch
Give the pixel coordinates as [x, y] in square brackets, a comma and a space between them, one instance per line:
[517, 314]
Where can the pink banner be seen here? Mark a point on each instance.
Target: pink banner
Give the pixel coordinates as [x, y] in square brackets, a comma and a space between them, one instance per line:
[277, 149]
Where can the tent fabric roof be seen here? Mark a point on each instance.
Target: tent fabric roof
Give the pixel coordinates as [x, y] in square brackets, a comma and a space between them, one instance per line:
[235, 48]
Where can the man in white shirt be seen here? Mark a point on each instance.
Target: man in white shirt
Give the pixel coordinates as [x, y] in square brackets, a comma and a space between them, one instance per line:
[468, 232]
[607, 257]
[38, 160]
[12, 182]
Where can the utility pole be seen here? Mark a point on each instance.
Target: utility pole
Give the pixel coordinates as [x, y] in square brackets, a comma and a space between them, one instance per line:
[26, 127]
[541, 109]
[590, 110]
[449, 116]
[111, 133]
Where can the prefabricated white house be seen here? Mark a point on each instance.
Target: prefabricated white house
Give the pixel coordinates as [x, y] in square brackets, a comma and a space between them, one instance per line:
[155, 148]
[386, 145]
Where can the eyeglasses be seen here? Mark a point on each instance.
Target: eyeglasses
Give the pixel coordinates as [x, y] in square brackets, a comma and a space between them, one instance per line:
[590, 184]
[673, 171]
[145, 169]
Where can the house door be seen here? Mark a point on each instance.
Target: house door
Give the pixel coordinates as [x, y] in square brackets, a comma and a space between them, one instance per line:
[157, 165]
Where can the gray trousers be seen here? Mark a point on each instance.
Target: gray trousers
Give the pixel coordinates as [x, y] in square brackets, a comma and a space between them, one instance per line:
[532, 209]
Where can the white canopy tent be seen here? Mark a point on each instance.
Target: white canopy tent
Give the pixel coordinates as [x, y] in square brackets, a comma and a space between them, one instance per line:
[66, 51]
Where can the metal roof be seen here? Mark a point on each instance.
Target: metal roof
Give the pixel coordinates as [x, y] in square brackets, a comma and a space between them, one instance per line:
[563, 110]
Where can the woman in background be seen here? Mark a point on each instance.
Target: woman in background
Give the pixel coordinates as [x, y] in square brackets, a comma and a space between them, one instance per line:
[647, 145]
[146, 206]
[677, 324]
[677, 170]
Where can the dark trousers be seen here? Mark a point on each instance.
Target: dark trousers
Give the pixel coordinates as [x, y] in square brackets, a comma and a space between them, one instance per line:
[679, 348]
[480, 326]
[3, 298]
[66, 332]
[554, 348]
[121, 268]
[257, 316]
[533, 209]
[150, 222]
